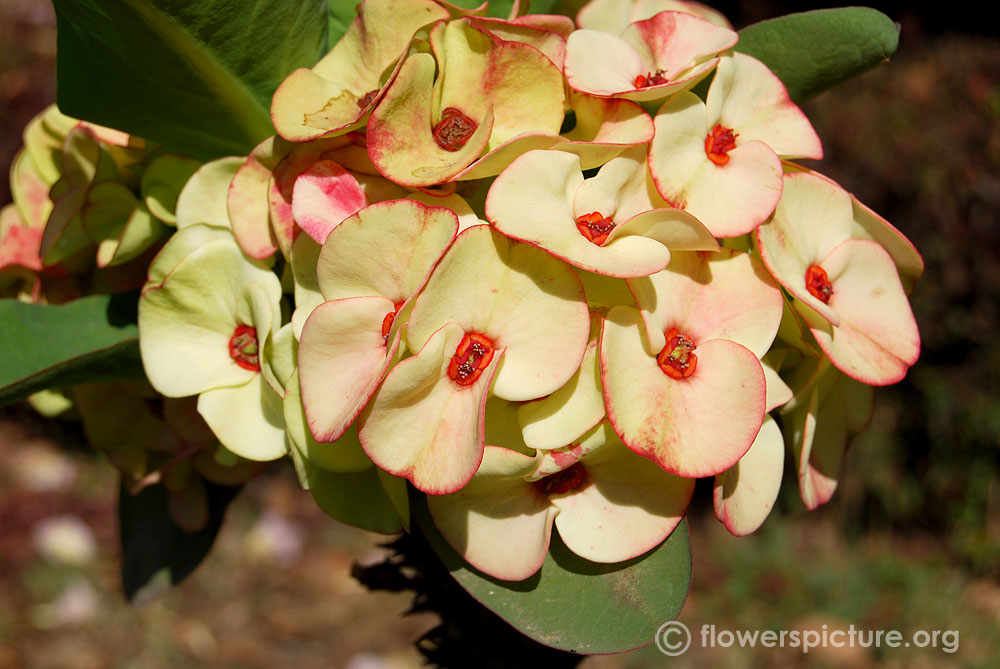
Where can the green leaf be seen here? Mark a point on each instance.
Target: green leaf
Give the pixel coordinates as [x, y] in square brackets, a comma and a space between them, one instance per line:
[577, 605]
[339, 17]
[355, 498]
[813, 51]
[46, 346]
[156, 553]
[196, 76]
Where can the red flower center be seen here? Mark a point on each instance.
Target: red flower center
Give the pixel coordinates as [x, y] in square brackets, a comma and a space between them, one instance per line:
[388, 320]
[677, 359]
[719, 143]
[595, 227]
[818, 284]
[472, 356]
[367, 98]
[453, 130]
[561, 482]
[243, 348]
[650, 79]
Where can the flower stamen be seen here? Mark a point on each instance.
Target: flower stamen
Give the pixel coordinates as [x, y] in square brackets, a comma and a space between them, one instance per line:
[243, 348]
[719, 143]
[472, 356]
[651, 79]
[595, 227]
[367, 98]
[389, 319]
[818, 284]
[453, 130]
[563, 481]
[677, 359]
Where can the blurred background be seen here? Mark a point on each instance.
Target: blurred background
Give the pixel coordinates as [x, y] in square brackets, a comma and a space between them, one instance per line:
[910, 541]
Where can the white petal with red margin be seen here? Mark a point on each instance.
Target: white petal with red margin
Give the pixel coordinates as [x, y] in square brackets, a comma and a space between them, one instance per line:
[748, 97]
[877, 340]
[521, 298]
[549, 180]
[498, 522]
[730, 199]
[562, 417]
[342, 357]
[625, 508]
[407, 239]
[745, 493]
[423, 426]
[725, 294]
[186, 322]
[343, 455]
[676, 423]
[323, 196]
[247, 419]
[204, 198]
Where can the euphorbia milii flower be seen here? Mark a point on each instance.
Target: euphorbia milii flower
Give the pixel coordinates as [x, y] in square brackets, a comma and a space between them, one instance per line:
[607, 503]
[607, 224]
[83, 163]
[45, 135]
[446, 108]
[720, 160]
[682, 378]
[94, 203]
[336, 94]
[847, 289]
[311, 188]
[205, 322]
[496, 315]
[745, 493]
[283, 188]
[349, 341]
[654, 58]
[829, 406]
[613, 16]
[868, 224]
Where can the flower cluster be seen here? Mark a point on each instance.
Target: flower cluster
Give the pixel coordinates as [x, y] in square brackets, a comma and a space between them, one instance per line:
[92, 206]
[546, 274]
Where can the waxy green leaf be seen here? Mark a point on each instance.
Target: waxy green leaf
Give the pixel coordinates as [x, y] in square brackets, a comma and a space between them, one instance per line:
[813, 51]
[577, 605]
[339, 17]
[46, 346]
[195, 76]
[355, 498]
[156, 553]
